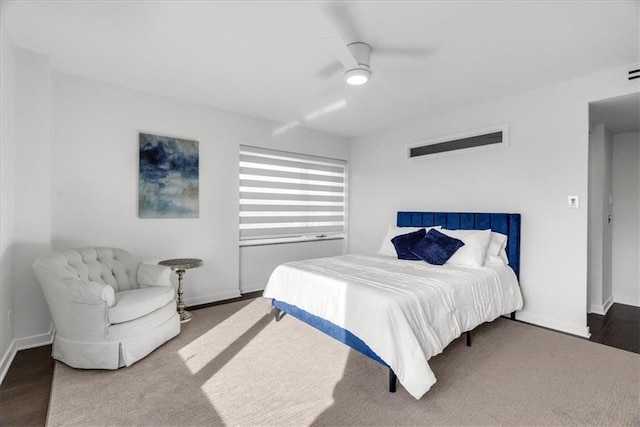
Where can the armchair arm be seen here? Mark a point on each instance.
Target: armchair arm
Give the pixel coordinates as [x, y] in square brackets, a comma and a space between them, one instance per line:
[154, 275]
[88, 292]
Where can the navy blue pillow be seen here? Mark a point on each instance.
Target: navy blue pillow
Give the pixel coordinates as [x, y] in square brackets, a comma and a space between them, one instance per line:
[403, 242]
[435, 247]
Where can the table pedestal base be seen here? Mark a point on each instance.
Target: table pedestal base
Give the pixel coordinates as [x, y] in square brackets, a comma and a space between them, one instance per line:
[185, 316]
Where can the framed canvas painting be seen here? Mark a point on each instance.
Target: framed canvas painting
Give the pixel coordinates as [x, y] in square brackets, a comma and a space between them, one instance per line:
[168, 180]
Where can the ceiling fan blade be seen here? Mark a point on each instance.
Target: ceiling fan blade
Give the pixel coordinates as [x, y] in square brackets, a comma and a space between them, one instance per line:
[401, 58]
[417, 52]
[330, 70]
[332, 88]
[339, 48]
[341, 17]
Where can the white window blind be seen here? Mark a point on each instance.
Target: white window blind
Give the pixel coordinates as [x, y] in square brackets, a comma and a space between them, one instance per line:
[290, 197]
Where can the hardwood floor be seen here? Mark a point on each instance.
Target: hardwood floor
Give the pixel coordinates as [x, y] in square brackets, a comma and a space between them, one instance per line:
[25, 391]
[620, 327]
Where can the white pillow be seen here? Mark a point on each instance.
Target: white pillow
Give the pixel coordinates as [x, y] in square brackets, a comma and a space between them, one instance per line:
[387, 248]
[492, 260]
[496, 253]
[503, 256]
[498, 242]
[476, 243]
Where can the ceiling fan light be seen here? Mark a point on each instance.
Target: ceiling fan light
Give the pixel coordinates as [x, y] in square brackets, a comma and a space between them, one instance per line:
[357, 76]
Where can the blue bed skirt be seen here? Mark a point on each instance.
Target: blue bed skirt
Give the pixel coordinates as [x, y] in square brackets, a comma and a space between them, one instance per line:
[329, 328]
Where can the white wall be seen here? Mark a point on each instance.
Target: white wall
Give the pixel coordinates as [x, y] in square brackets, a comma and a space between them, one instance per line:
[599, 277]
[26, 110]
[32, 201]
[7, 144]
[547, 160]
[626, 218]
[94, 156]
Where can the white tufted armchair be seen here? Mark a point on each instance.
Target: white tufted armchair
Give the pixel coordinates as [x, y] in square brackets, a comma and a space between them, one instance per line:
[109, 310]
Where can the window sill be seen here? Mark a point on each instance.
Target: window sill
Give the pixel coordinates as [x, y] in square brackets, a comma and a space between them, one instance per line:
[286, 240]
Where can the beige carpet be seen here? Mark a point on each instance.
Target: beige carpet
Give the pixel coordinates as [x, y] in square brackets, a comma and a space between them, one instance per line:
[233, 365]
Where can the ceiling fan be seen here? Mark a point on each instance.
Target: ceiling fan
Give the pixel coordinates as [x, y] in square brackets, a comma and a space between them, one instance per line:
[356, 59]
[352, 53]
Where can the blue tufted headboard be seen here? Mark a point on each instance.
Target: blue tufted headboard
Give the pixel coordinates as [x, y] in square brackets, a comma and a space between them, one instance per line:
[505, 223]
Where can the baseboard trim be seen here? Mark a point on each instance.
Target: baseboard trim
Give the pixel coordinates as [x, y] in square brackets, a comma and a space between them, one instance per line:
[627, 300]
[253, 287]
[24, 344]
[546, 322]
[218, 296]
[597, 309]
[7, 359]
[602, 309]
[36, 340]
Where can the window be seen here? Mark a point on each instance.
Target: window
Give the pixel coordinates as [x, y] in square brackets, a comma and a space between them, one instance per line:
[289, 197]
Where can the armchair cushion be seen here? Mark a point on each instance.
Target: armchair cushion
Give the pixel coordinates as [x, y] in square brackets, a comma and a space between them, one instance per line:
[137, 303]
[88, 292]
[154, 275]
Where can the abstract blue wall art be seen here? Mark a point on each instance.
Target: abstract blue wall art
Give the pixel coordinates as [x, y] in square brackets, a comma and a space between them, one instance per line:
[168, 183]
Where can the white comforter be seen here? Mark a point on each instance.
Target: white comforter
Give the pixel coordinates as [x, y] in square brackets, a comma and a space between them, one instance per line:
[405, 311]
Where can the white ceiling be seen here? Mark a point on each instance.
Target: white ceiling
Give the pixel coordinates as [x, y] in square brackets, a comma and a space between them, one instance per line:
[266, 58]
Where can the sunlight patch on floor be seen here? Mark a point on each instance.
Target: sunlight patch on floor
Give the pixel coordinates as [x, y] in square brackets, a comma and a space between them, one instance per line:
[293, 380]
[208, 346]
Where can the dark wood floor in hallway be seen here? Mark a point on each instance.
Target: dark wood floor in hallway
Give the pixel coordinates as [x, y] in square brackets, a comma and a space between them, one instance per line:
[25, 391]
[620, 327]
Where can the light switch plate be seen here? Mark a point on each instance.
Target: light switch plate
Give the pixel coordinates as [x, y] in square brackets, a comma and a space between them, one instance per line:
[574, 202]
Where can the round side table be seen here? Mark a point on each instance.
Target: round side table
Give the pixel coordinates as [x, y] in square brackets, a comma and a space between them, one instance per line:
[180, 265]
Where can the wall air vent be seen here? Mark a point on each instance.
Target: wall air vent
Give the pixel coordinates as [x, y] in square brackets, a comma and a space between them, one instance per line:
[476, 140]
[634, 73]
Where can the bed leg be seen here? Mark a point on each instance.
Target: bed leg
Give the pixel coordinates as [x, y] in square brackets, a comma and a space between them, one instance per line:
[279, 314]
[468, 338]
[392, 381]
[513, 315]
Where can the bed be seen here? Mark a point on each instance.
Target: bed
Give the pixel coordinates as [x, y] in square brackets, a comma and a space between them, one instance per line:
[397, 312]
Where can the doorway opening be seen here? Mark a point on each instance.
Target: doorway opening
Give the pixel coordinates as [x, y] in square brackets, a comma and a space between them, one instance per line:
[613, 277]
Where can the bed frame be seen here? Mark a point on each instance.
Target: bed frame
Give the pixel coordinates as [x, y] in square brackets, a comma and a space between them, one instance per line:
[505, 223]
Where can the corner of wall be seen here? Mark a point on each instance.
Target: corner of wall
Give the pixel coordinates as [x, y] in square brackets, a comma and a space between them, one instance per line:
[6, 360]
[24, 344]
[7, 161]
